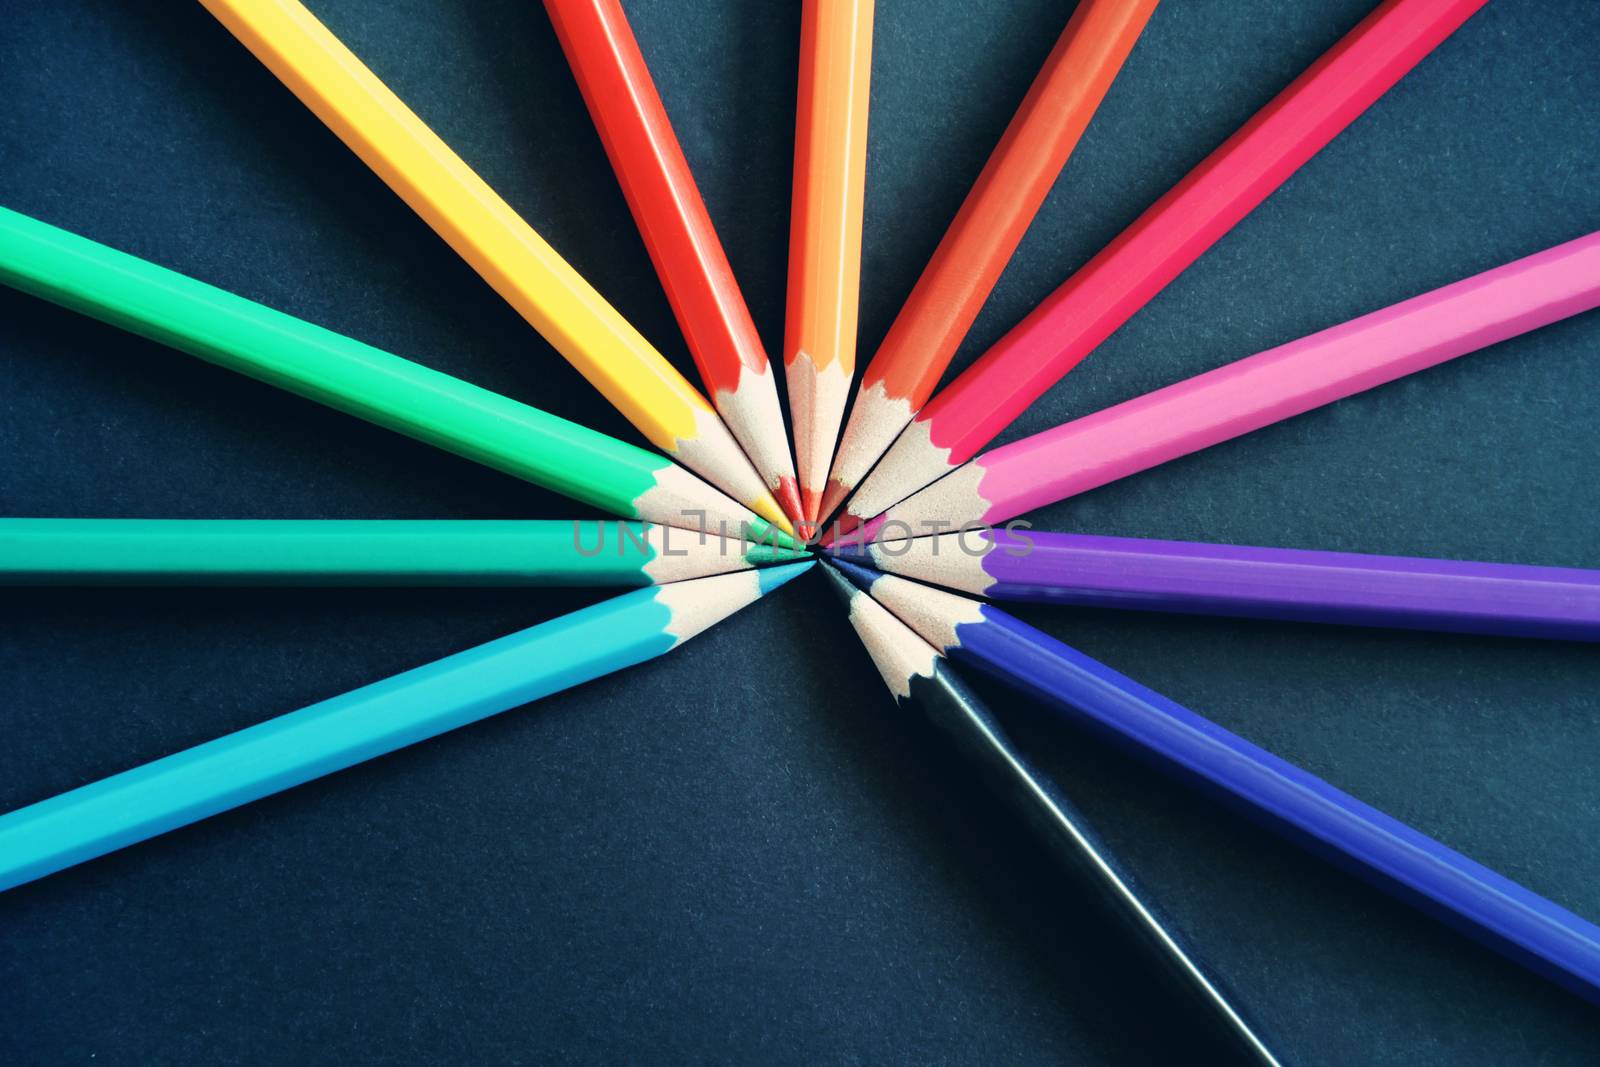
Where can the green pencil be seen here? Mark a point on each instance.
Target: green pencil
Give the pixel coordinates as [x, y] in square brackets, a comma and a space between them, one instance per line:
[367, 382]
[381, 552]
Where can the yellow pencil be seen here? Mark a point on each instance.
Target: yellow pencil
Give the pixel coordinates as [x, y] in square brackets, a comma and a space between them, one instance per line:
[496, 242]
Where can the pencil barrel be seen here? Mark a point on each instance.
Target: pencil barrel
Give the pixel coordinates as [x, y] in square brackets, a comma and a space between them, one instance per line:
[330, 552]
[1375, 847]
[330, 736]
[1293, 584]
[324, 366]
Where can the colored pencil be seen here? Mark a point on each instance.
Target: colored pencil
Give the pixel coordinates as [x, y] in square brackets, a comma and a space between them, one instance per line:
[371, 721]
[1250, 393]
[985, 232]
[382, 552]
[921, 680]
[484, 230]
[1158, 246]
[830, 169]
[360, 380]
[1261, 583]
[1392, 856]
[677, 230]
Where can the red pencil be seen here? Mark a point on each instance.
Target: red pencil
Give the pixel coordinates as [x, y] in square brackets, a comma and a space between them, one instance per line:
[1156, 248]
[974, 250]
[683, 245]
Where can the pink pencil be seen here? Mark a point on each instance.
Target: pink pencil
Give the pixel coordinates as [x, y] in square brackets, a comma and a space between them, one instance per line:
[1254, 392]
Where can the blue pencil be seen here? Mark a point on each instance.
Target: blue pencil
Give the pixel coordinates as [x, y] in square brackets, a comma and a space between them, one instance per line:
[1486, 906]
[376, 719]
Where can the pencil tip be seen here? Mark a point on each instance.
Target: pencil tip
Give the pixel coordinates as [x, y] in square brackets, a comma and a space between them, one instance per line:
[772, 577]
[788, 497]
[760, 555]
[859, 576]
[764, 533]
[832, 497]
[839, 583]
[810, 500]
[869, 530]
[842, 526]
[767, 507]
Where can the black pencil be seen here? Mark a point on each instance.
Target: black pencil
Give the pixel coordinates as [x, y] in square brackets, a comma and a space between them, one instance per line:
[921, 679]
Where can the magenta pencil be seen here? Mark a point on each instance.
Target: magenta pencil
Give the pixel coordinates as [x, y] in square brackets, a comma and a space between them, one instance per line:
[1254, 392]
[1244, 580]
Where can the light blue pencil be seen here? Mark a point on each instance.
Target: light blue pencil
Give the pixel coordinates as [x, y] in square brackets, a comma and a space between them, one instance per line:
[424, 702]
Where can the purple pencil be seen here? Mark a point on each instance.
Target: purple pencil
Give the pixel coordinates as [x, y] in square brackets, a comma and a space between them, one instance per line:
[1265, 583]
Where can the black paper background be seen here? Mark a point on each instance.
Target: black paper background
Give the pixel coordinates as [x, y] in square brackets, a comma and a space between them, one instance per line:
[739, 852]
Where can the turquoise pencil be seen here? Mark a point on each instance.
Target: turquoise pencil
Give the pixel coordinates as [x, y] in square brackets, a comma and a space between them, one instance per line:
[188, 786]
[371, 552]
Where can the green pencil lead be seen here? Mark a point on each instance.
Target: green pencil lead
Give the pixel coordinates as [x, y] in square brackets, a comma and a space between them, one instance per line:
[760, 555]
[764, 533]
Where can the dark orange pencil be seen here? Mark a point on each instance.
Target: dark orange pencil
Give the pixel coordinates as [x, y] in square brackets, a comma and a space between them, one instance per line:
[975, 249]
[677, 230]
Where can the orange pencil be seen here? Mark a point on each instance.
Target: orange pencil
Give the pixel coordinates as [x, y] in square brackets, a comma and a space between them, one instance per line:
[830, 164]
[986, 231]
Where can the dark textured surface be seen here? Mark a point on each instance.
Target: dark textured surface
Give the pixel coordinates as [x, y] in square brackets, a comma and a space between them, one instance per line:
[741, 852]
